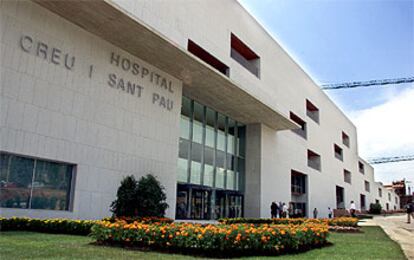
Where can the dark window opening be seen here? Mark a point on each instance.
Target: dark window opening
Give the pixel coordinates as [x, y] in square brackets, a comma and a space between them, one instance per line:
[363, 205]
[338, 152]
[340, 203]
[207, 57]
[380, 192]
[345, 139]
[241, 53]
[361, 167]
[314, 160]
[347, 176]
[298, 183]
[312, 111]
[302, 130]
[367, 187]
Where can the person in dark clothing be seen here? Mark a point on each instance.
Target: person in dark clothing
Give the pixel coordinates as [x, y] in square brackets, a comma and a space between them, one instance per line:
[273, 210]
[410, 211]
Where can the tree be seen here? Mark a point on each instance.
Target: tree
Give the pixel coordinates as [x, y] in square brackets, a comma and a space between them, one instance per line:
[151, 197]
[126, 202]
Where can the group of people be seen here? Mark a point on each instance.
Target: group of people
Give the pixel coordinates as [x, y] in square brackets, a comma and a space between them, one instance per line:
[283, 210]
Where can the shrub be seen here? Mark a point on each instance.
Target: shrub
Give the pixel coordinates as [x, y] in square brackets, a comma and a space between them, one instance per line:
[151, 197]
[342, 221]
[57, 226]
[210, 239]
[144, 220]
[126, 198]
[375, 208]
[145, 198]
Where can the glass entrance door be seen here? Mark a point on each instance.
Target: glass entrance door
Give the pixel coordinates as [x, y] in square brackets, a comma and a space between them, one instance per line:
[200, 204]
[228, 205]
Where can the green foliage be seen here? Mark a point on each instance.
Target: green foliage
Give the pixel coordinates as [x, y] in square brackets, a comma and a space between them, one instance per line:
[56, 226]
[375, 208]
[126, 201]
[151, 197]
[145, 198]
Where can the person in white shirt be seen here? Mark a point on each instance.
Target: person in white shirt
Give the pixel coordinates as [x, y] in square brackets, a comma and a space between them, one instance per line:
[352, 209]
[330, 212]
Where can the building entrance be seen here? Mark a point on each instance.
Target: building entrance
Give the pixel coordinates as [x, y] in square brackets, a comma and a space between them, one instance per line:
[197, 202]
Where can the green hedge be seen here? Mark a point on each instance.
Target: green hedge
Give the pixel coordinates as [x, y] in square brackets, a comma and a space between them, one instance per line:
[58, 226]
[342, 221]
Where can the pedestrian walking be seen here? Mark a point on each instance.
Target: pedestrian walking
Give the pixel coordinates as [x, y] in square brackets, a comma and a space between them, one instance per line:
[352, 209]
[315, 213]
[330, 212]
[410, 211]
[273, 209]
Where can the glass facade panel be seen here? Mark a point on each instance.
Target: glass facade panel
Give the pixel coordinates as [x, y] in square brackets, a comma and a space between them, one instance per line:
[51, 186]
[210, 165]
[221, 132]
[33, 183]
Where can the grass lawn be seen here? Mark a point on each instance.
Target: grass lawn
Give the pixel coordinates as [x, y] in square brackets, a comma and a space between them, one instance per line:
[372, 244]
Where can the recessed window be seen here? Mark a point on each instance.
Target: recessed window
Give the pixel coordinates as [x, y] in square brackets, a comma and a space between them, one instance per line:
[345, 139]
[302, 130]
[338, 152]
[245, 56]
[347, 176]
[314, 160]
[298, 183]
[312, 111]
[207, 57]
[367, 187]
[361, 167]
[396, 200]
[389, 196]
[363, 203]
[380, 192]
[34, 184]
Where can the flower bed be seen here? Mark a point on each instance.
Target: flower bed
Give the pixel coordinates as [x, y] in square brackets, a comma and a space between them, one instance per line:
[213, 239]
[60, 226]
[343, 221]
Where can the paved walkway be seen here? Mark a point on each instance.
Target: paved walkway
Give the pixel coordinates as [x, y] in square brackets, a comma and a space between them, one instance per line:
[397, 229]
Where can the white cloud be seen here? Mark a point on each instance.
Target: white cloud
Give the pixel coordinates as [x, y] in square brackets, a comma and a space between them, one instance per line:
[388, 130]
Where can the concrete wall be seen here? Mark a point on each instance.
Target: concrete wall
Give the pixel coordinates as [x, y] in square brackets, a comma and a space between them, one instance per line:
[51, 112]
[210, 24]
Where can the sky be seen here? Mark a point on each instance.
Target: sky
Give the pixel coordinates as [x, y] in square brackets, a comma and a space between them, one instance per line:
[354, 40]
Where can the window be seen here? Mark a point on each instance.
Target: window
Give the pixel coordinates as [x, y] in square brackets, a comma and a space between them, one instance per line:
[207, 57]
[241, 53]
[298, 183]
[302, 130]
[338, 152]
[396, 200]
[347, 176]
[345, 139]
[367, 187]
[340, 197]
[314, 160]
[361, 167]
[380, 192]
[362, 199]
[389, 196]
[34, 184]
[312, 111]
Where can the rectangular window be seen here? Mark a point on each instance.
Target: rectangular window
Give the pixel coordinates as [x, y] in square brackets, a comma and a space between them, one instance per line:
[367, 187]
[361, 167]
[302, 130]
[338, 152]
[314, 160]
[34, 184]
[312, 111]
[298, 183]
[362, 198]
[241, 53]
[347, 176]
[207, 57]
[389, 196]
[380, 192]
[345, 139]
[396, 200]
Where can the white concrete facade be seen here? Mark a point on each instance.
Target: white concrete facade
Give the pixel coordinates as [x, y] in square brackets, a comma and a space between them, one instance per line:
[75, 115]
